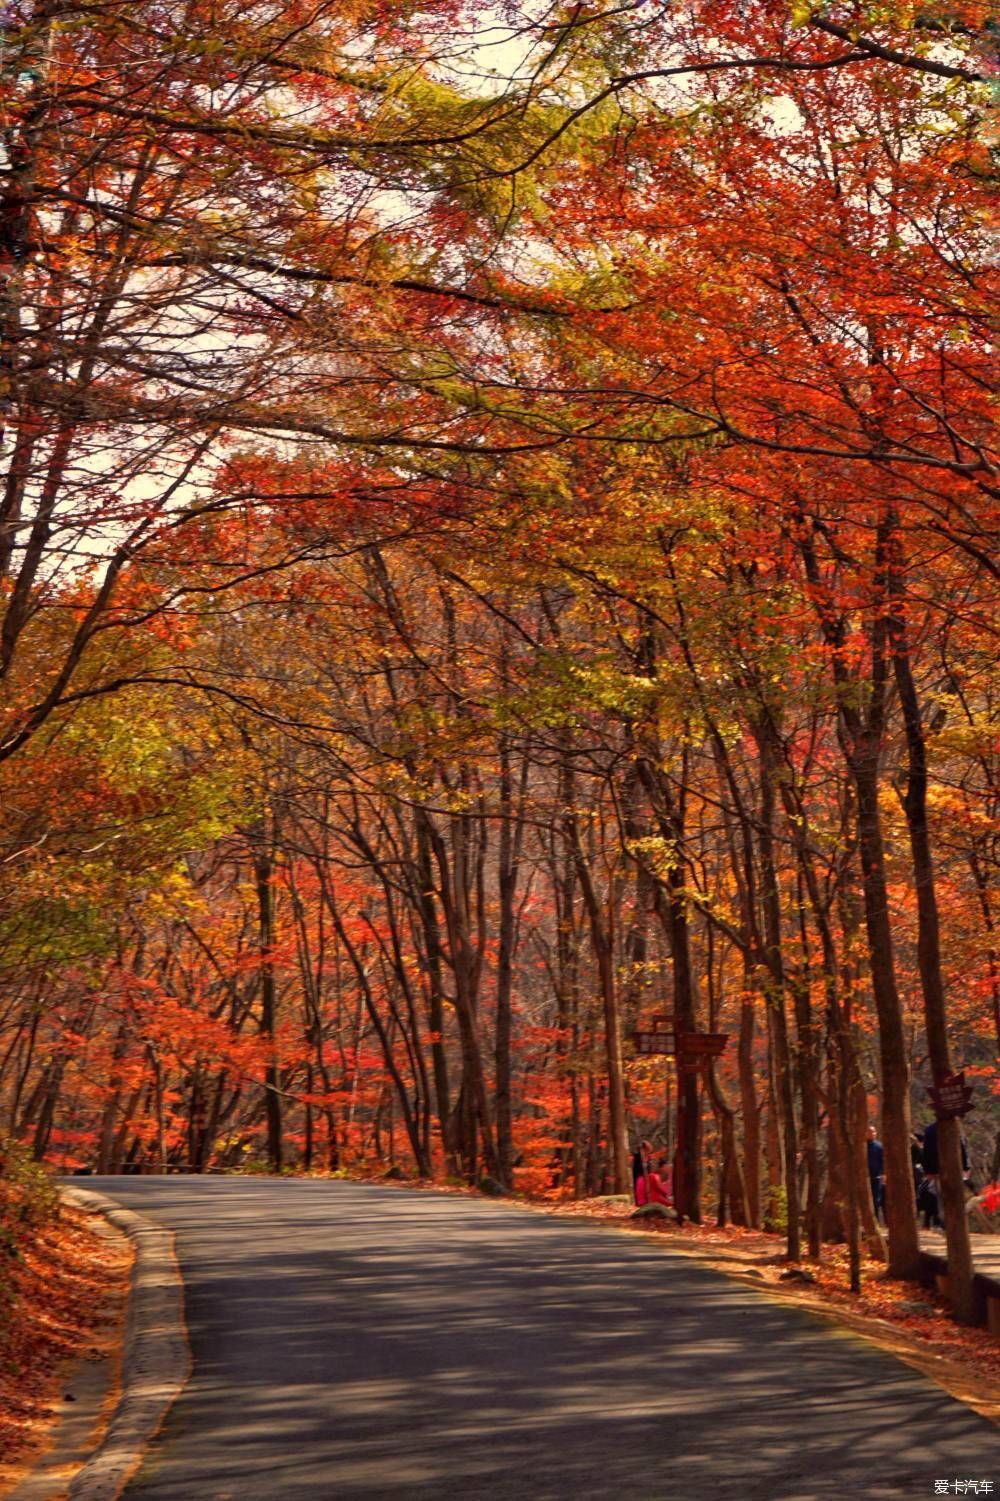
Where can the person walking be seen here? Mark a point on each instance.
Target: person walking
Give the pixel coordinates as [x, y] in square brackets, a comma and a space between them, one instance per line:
[931, 1163]
[876, 1172]
[916, 1162]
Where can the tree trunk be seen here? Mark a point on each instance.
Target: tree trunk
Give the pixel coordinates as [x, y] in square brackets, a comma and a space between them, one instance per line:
[602, 941]
[508, 860]
[900, 1208]
[264, 877]
[775, 986]
[862, 734]
[956, 1228]
[435, 985]
[750, 1107]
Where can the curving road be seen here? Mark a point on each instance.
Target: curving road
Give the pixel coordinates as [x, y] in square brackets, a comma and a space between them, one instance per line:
[354, 1342]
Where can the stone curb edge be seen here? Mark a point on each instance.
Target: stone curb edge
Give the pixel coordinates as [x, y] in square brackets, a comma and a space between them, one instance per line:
[157, 1358]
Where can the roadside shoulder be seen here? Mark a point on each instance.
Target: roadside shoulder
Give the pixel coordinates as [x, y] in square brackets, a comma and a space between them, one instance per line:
[962, 1361]
[157, 1357]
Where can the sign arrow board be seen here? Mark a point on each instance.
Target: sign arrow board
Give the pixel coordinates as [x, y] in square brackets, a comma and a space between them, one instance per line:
[952, 1098]
[647, 1043]
[708, 1044]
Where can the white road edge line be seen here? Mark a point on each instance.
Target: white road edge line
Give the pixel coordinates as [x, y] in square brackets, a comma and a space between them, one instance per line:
[157, 1358]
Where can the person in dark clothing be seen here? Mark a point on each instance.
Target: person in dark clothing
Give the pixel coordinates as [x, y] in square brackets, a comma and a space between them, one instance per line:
[928, 1204]
[929, 1156]
[917, 1153]
[876, 1172]
[926, 1197]
[930, 1161]
[916, 1161]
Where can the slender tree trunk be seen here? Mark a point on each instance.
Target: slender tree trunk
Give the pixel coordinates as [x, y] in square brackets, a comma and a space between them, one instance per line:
[47, 1110]
[264, 876]
[900, 1209]
[749, 1105]
[435, 986]
[602, 942]
[809, 1085]
[454, 877]
[567, 981]
[774, 1159]
[672, 910]
[211, 1127]
[775, 984]
[956, 1228]
[732, 1189]
[385, 1033]
[158, 1105]
[508, 858]
[842, 1064]
[862, 736]
[23, 1067]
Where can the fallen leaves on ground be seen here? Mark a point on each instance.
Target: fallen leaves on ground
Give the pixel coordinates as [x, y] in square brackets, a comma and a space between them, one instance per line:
[64, 1298]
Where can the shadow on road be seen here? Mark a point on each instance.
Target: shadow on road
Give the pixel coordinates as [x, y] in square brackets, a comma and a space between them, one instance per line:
[352, 1341]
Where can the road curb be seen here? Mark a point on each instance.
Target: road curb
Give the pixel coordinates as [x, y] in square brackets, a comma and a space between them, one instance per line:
[157, 1357]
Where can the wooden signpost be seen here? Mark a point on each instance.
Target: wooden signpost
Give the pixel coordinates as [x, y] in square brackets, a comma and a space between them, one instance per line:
[694, 1052]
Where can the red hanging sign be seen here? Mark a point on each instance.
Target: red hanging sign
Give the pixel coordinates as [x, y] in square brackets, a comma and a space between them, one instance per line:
[706, 1044]
[951, 1098]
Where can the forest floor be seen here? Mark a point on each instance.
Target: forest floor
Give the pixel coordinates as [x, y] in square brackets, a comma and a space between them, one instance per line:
[64, 1308]
[905, 1318]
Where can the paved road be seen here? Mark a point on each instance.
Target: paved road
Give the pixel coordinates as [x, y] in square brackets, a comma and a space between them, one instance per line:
[355, 1342]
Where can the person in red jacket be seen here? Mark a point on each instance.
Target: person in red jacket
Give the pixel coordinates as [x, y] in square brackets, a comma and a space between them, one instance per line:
[642, 1166]
[656, 1187]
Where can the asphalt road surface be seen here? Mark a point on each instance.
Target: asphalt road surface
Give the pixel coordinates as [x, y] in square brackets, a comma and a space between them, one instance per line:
[353, 1342]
